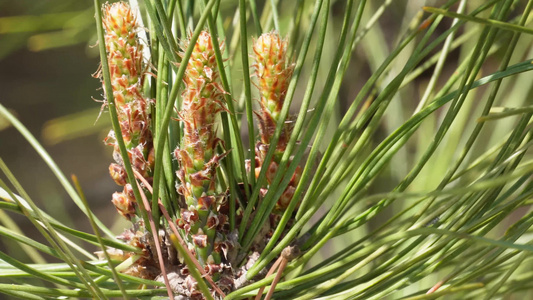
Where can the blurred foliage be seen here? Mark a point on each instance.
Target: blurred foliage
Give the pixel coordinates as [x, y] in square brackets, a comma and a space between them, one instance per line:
[41, 25]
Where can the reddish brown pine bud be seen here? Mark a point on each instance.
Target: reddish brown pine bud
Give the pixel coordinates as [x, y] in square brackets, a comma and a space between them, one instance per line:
[118, 174]
[124, 205]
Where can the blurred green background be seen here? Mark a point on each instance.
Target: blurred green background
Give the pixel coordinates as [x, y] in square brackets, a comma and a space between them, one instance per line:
[47, 56]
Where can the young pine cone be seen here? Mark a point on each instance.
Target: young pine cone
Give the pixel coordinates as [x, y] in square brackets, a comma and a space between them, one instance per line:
[274, 73]
[202, 101]
[126, 68]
